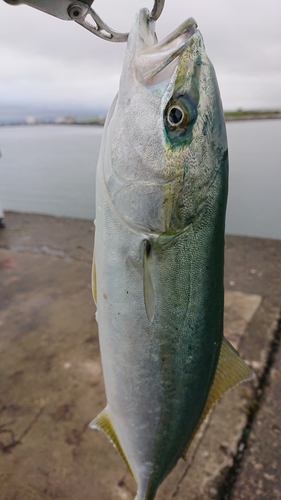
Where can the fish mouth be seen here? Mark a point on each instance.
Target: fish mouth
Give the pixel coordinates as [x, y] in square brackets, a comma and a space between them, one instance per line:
[152, 57]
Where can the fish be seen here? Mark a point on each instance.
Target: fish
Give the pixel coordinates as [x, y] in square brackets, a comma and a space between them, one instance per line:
[161, 194]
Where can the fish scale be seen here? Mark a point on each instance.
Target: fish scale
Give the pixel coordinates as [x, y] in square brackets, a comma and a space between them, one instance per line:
[161, 183]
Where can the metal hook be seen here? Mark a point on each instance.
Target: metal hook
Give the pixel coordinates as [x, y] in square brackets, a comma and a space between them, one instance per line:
[79, 10]
[157, 10]
[78, 13]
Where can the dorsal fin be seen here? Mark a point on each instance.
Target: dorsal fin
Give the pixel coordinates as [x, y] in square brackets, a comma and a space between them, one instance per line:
[149, 294]
[103, 423]
[230, 371]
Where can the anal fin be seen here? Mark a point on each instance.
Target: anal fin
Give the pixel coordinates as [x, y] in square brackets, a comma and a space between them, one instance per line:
[230, 371]
[103, 423]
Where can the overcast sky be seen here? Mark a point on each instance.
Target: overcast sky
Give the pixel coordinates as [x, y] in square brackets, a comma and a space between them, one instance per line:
[44, 60]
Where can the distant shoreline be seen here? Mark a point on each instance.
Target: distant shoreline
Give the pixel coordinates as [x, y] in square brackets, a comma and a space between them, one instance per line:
[252, 115]
[238, 115]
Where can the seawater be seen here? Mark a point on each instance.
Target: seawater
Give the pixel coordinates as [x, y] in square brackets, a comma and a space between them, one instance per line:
[254, 201]
[50, 169]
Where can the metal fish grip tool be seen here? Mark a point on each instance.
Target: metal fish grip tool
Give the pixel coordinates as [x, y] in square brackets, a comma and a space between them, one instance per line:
[82, 13]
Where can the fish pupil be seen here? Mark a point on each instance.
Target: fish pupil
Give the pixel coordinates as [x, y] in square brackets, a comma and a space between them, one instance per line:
[175, 116]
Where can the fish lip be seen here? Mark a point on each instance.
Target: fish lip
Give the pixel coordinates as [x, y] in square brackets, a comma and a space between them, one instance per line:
[178, 36]
[153, 56]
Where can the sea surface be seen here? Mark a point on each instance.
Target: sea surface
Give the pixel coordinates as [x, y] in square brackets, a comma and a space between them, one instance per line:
[50, 169]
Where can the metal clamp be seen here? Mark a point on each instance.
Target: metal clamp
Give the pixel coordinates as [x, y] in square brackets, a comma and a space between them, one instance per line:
[79, 10]
[77, 13]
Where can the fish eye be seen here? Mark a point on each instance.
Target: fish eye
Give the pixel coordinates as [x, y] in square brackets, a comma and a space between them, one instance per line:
[179, 117]
[175, 116]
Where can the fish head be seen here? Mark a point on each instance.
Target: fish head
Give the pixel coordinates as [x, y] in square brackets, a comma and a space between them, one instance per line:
[167, 146]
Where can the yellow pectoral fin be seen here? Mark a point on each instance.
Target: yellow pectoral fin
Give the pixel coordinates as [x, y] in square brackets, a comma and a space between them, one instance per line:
[103, 423]
[231, 370]
[94, 281]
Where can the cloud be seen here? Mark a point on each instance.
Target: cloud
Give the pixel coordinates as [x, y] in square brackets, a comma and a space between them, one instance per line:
[46, 59]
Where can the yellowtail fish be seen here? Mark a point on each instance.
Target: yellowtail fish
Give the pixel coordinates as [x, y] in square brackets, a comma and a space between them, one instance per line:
[162, 181]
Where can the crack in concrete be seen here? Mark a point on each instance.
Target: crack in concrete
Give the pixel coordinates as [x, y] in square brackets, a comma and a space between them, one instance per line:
[225, 491]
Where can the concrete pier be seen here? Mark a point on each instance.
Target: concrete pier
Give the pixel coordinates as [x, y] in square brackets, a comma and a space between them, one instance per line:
[51, 383]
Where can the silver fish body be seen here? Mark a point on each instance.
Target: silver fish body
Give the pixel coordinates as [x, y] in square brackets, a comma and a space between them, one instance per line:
[162, 182]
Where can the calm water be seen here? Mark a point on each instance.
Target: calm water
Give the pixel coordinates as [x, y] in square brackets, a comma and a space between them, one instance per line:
[51, 170]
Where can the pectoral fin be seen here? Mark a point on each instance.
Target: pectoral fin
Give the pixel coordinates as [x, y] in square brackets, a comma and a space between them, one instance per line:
[103, 423]
[149, 294]
[231, 370]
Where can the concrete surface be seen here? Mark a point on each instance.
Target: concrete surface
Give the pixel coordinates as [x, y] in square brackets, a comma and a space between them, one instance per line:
[51, 383]
[260, 469]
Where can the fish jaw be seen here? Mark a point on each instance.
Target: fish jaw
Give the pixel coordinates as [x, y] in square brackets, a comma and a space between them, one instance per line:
[146, 57]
